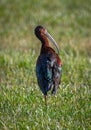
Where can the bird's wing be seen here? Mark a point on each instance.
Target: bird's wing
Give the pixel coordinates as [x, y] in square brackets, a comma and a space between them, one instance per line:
[45, 67]
[44, 73]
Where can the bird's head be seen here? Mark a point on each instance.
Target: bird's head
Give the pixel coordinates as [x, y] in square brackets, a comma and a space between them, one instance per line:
[42, 33]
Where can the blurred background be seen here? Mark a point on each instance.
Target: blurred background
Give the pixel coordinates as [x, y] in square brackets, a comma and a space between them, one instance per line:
[69, 22]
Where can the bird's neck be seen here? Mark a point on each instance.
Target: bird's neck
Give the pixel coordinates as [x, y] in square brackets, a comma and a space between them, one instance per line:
[44, 48]
[45, 44]
[44, 41]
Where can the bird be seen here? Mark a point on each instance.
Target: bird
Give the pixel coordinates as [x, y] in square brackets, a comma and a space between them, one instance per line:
[49, 64]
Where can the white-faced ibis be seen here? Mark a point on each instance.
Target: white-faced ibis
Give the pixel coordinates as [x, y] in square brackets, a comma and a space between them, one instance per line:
[49, 65]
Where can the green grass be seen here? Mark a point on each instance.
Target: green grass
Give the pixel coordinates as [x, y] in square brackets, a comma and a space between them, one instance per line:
[21, 102]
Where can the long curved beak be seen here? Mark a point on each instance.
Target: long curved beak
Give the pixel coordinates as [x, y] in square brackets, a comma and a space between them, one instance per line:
[52, 40]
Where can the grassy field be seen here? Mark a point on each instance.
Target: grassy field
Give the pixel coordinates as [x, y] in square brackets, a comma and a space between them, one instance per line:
[21, 102]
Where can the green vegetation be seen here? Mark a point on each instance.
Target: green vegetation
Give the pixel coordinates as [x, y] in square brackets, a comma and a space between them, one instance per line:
[21, 102]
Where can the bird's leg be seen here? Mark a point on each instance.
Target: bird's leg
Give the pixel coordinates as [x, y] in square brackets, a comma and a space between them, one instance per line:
[54, 90]
[45, 98]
